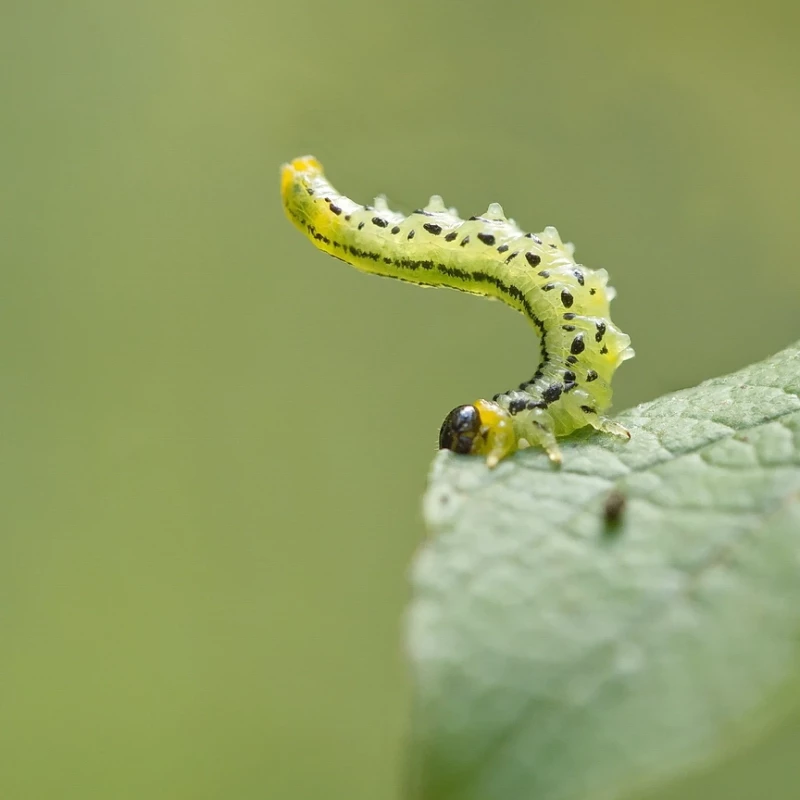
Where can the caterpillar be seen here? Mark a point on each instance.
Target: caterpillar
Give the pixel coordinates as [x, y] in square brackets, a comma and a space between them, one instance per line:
[566, 303]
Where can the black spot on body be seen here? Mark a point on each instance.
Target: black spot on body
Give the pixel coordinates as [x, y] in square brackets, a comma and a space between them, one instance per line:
[454, 272]
[465, 240]
[569, 375]
[591, 375]
[566, 298]
[533, 259]
[578, 345]
[360, 225]
[544, 274]
[396, 229]
[536, 404]
[451, 236]
[552, 393]
[601, 331]
[572, 360]
[588, 410]
[487, 239]
[579, 276]
[410, 234]
[568, 328]
[592, 291]
[433, 228]
[569, 315]
[512, 257]
[515, 406]
[381, 223]
[548, 286]
[604, 351]
[335, 209]
[502, 248]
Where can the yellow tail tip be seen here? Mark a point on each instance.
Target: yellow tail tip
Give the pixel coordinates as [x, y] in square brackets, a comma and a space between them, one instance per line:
[305, 165]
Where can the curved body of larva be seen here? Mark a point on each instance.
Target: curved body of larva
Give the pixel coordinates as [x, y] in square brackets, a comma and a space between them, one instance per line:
[567, 304]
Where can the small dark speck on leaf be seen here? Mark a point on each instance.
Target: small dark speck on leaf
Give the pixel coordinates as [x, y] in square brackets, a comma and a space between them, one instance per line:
[613, 510]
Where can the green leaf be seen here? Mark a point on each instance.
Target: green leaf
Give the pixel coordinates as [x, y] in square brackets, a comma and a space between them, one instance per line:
[556, 656]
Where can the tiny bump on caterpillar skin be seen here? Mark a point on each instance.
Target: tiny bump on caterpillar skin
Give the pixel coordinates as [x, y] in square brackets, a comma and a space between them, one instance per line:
[566, 303]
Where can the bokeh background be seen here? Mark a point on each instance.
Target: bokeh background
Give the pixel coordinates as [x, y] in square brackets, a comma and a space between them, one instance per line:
[214, 439]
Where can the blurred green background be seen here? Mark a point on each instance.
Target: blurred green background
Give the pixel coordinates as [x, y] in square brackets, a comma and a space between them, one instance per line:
[214, 438]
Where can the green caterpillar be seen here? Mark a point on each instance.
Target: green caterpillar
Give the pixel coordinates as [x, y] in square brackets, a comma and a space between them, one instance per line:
[567, 304]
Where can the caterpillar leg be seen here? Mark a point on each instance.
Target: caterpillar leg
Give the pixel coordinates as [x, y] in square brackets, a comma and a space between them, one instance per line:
[538, 434]
[481, 429]
[609, 426]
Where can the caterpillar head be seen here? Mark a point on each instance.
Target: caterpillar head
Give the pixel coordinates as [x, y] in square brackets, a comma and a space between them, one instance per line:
[483, 428]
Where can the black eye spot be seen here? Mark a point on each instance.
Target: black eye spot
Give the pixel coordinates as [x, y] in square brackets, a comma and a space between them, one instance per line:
[487, 239]
[459, 429]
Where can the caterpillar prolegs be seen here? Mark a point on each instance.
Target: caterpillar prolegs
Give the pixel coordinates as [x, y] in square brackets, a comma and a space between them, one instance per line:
[567, 304]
